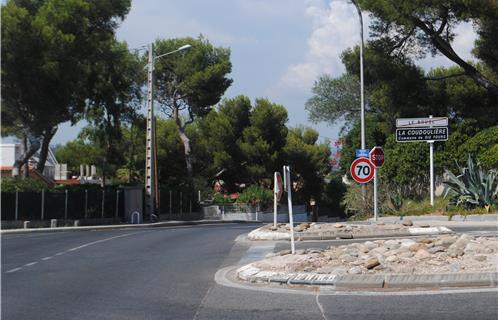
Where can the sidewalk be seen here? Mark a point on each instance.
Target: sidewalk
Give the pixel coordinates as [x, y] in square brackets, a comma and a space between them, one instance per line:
[457, 220]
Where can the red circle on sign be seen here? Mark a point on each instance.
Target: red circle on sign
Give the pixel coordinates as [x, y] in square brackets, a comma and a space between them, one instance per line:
[377, 156]
[362, 170]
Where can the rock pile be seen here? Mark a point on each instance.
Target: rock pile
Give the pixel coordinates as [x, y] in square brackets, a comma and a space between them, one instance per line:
[441, 254]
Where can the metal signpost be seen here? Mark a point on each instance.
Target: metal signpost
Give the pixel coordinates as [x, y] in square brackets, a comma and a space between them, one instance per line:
[423, 129]
[376, 156]
[288, 188]
[277, 194]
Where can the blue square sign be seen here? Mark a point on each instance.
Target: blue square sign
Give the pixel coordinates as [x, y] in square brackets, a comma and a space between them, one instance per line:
[361, 153]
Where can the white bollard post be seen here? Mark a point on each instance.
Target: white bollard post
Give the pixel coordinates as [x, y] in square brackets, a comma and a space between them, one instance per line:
[275, 200]
[289, 203]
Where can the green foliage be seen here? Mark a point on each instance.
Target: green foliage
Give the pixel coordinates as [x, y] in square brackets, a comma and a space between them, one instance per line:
[49, 49]
[77, 152]
[29, 184]
[333, 193]
[414, 28]
[334, 99]
[222, 199]
[357, 206]
[309, 162]
[256, 195]
[473, 187]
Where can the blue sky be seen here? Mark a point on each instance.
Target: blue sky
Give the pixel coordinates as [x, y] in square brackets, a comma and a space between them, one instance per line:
[278, 47]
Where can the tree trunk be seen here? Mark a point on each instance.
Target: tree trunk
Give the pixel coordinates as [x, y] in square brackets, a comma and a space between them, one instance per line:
[47, 137]
[186, 143]
[33, 146]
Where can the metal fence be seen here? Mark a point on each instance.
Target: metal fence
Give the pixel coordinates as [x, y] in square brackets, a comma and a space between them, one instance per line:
[92, 203]
[72, 205]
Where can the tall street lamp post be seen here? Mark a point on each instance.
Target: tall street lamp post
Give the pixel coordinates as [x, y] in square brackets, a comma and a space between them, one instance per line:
[150, 150]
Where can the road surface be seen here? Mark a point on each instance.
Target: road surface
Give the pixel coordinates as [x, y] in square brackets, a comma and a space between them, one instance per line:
[168, 273]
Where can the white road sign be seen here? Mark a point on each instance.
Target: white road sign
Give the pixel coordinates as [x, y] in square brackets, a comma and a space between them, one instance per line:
[422, 122]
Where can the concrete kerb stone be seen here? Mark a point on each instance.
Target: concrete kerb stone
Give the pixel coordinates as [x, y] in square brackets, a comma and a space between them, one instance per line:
[122, 226]
[262, 234]
[253, 274]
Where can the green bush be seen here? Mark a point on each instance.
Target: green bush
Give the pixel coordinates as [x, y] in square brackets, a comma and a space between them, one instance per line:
[256, 195]
[9, 184]
[221, 199]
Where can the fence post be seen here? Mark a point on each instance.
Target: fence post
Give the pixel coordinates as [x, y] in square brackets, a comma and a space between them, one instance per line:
[43, 204]
[17, 205]
[117, 203]
[65, 205]
[86, 203]
[103, 202]
[170, 204]
[181, 203]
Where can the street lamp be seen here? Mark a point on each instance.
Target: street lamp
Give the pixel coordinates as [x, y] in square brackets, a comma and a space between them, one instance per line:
[362, 110]
[150, 148]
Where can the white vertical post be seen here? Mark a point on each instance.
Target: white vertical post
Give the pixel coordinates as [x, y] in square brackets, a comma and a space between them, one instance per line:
[431, 155]
[289, 203]
[65, 204]
[431, 160]
[199, 196]
[275, 182]
[17, 205]
[375, 195]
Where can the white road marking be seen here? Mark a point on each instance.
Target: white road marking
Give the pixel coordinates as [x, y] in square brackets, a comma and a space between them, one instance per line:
[47, 258]
[30, 264]
[98, 241]
[59, 253]
[13, 270]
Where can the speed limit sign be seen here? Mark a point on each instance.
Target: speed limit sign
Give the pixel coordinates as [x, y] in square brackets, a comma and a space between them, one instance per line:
[362, 170]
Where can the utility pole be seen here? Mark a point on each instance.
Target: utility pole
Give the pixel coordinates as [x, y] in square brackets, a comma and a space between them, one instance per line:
[150, 178]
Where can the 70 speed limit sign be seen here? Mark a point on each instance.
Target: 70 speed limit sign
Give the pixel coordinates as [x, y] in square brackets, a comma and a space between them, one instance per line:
[362, 170]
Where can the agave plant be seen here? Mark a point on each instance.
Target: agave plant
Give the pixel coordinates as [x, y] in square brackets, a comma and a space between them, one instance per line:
[473, 187]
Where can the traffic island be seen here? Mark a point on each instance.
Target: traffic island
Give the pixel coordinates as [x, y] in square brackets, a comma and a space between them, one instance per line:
[428, 262]
[331, 231]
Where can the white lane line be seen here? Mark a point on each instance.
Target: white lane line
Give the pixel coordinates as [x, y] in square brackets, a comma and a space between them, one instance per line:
[59, 253]
[99, 241]
[30, 264]
[47, 258]
[13, 270]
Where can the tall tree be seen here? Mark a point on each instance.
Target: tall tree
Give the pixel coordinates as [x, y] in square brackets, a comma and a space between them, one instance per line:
[189, 84]
[427, 26]
[48, 50]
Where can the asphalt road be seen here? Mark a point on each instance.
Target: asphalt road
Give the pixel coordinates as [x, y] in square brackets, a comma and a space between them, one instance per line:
[168, 273]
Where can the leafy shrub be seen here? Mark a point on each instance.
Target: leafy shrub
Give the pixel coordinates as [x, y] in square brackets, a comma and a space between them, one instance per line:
[357, 207]
[9, 184]
[221, 199]
[256, 195]
[473, 187]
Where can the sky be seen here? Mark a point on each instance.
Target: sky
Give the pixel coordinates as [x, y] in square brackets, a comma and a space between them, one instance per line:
[278, 47]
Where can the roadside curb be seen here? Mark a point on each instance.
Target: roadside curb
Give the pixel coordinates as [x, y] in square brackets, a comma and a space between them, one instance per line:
[260, 234]
[124, 226]
[252, 274]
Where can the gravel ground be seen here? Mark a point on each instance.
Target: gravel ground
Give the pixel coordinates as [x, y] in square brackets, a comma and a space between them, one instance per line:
[438, 254]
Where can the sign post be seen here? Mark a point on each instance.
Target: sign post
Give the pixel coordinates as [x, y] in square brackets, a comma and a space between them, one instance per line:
[376, 156]
[428, 129]
[277, 194]
[288, 188]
